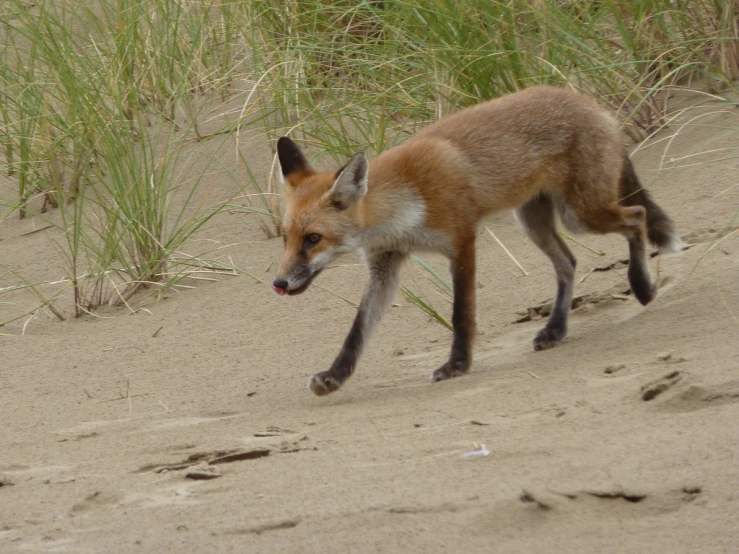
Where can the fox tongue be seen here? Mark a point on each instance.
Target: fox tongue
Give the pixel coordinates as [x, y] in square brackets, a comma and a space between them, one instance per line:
[281, 292]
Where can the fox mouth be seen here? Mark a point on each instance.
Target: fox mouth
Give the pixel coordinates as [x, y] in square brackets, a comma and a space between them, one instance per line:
[302, 288]
[298, 290]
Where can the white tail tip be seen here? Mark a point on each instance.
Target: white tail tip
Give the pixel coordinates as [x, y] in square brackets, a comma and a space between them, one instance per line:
[674, 245]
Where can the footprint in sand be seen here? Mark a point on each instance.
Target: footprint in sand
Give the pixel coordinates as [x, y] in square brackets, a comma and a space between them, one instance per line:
[621, 502]
[652, 390]
[677, 390]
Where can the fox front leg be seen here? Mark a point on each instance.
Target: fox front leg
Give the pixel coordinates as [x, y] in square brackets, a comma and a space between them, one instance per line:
[463, 313]
[384, 270]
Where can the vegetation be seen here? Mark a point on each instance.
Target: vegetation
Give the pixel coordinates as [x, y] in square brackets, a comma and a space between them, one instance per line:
[102, 101]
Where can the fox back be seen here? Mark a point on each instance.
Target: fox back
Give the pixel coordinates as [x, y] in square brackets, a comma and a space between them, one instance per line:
[498, 154]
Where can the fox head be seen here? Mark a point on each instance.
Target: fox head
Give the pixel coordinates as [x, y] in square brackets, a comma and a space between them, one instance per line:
[321, 218]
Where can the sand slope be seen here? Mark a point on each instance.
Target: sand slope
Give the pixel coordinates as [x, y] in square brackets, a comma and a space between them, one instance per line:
[623, 439]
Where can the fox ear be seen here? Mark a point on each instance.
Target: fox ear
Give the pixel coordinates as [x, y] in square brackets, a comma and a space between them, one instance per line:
[351, 182]
[291, 158]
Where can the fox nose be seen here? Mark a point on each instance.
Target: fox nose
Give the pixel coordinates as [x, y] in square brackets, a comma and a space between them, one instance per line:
[279, 286]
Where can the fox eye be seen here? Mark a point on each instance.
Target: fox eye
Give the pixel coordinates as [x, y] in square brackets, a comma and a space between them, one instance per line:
[312, 239]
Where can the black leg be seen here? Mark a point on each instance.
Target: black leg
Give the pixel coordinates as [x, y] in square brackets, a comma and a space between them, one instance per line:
[384, 275]
[463, 315]
[537, 217]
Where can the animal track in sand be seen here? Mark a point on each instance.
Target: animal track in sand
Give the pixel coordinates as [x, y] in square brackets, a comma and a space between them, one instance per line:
[261, 444]
[540, 311]
[259, 529]
[652, 390]
[621, 501]
[96, 500]
[584, 302]
[690, 398]
[683, 393]
[210, 458]
[706, 234]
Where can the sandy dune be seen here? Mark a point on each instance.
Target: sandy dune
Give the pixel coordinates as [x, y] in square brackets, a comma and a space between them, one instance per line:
[189, 427]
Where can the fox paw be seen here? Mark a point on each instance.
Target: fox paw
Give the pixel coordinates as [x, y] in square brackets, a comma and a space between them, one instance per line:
[322, 384]
[449, 370]
[549, 337]
[645, 291]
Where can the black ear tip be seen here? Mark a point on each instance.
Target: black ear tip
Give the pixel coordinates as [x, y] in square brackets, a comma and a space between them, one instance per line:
[284, 141]
[290, 156]
[357, 159]
[360, 160]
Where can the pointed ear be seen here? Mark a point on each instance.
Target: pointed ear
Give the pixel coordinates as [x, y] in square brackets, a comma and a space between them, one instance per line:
[291, 158]
[351, 182]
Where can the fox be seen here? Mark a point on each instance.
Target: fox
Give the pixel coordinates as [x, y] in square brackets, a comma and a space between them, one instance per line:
[547, 153]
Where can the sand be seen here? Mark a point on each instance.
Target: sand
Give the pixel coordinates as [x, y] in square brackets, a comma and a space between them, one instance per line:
[188, 426]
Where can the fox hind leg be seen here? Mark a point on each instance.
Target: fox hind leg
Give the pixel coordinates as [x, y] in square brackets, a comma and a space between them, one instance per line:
[640, 279]
[538, 219]
[631, 222]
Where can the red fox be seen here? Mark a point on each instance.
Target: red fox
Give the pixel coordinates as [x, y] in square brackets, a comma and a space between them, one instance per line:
[542, 151]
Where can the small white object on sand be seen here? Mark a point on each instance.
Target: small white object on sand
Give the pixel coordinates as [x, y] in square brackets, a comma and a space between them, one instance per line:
[479, 452]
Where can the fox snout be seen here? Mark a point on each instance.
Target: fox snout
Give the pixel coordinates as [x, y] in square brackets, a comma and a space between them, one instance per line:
[280, 286]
